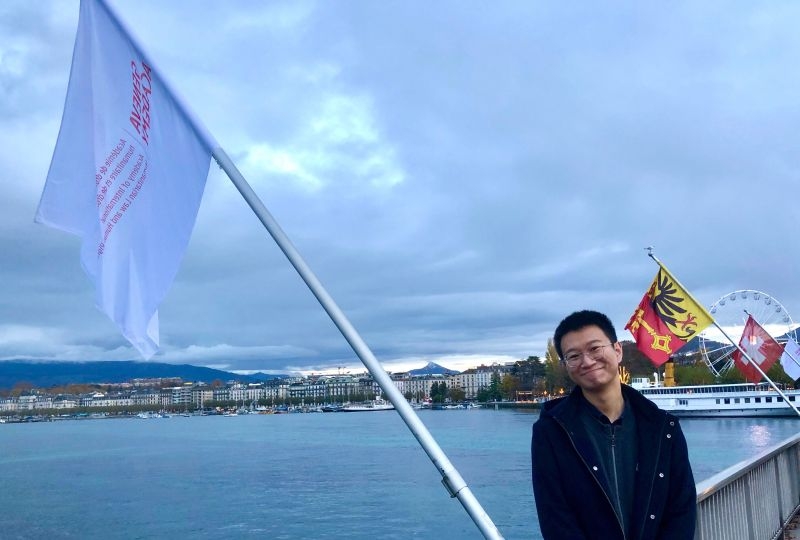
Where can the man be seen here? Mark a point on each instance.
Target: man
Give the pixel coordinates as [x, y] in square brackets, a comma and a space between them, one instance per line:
[606, 462]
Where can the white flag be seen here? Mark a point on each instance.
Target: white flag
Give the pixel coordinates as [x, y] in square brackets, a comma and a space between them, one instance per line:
[127, 175]
[790, 359]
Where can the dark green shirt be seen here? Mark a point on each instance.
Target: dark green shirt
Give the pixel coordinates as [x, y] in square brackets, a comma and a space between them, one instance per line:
[615, 446]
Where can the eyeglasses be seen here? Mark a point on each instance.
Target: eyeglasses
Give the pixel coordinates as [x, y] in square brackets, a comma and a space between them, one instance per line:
[595, 352]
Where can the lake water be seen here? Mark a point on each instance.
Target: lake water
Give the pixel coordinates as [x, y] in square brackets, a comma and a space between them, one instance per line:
[294, 476]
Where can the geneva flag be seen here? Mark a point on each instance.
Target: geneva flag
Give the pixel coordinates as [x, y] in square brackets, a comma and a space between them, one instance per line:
[666, 319]
[127, 175]
[761, 349]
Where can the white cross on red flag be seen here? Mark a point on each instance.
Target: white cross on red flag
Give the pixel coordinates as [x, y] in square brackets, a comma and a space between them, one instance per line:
[760, 347]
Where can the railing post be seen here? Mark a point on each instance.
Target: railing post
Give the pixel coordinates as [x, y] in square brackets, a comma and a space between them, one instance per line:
[748, 505]
[779, 483]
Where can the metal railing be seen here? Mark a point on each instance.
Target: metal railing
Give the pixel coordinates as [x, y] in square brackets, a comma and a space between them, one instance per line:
[752, 500]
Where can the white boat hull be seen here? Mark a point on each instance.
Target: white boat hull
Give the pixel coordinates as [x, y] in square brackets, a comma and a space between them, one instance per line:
[369, 407]
[723, 400]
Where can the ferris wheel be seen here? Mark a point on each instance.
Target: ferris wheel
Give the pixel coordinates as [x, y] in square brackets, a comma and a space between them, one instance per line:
[730, 312]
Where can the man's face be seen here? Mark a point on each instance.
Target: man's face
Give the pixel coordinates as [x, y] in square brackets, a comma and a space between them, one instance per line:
[597, 359]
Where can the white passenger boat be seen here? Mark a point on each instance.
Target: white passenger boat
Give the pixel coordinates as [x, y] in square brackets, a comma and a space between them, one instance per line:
[377, 405]
[719, 400]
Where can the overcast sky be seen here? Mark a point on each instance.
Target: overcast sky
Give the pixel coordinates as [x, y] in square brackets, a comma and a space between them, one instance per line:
[459, 175]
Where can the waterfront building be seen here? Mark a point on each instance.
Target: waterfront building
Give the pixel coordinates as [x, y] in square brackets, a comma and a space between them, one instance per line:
[336, 387]
[272, 390]
[118, 400]
[8, 404]
[86, 400]
[182, 395]
[417, 386]
[145, 398]
[254, 392]
[476, 379]
[200, 395]
[31, 402]
[222, 394]
[65, 402]
[368, 386]
[25, 403]
[237, 392]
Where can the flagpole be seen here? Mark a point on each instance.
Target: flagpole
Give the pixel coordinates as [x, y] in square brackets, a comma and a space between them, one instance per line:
[724, 333]
[451, 479]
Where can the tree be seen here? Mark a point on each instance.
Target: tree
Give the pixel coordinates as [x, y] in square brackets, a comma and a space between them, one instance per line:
[456, 394]
[438, 392]
[493, 392]
[778, 375]
[694, 374]
[557, 380]
[20, 388]
[528, 372]
[635, 361]
[509, 385]
[732, 376]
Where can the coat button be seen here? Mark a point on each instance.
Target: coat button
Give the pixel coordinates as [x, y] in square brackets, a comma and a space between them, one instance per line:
[594, 468]
[661, 475]
[652, 516]
[672, 423]
[669, 436]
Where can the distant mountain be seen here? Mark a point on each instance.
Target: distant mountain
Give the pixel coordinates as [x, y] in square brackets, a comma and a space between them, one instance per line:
[47, 374]
[432, 369]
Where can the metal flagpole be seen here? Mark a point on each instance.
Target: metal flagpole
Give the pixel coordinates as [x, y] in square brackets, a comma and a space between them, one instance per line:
[451, 479]
[724, 333]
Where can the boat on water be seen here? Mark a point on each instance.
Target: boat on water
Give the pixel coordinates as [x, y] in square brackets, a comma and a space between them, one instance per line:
[377, 405]
[469, 405]
[149, 414]
[719, 400]
[331, 408]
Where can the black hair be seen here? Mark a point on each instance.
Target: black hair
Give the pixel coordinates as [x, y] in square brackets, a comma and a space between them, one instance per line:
[579, 320]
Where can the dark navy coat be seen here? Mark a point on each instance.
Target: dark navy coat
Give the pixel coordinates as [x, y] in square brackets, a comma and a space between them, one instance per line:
[570, 486]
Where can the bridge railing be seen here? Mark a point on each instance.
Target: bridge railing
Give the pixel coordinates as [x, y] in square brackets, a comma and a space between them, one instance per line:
[752, 500]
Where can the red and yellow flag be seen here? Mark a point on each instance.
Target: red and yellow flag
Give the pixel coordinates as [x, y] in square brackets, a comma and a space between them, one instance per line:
[666, 319]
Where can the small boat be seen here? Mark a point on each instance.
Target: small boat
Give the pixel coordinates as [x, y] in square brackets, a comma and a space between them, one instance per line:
[331, 408]
[148, 415]
[377, 405]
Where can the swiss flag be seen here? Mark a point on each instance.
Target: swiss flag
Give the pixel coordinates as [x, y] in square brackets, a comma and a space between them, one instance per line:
[760, 347]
